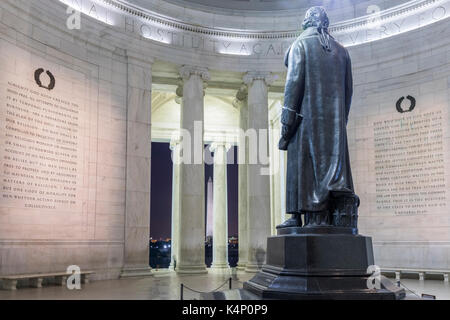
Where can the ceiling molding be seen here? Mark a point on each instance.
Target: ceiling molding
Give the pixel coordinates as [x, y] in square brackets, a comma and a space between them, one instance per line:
[360, 22]
[212, 84]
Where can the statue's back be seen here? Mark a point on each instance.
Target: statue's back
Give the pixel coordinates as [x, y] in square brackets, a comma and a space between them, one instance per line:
[325, 77]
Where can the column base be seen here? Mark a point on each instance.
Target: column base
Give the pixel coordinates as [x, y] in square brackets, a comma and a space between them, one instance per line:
[222, 269]
[241, 266]
[163, 273]
[192, 269]
[130, 272]
[220, 266]
[252, 268]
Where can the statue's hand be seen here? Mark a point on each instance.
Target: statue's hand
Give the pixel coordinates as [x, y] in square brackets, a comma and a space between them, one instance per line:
[285, 137]
[283, 144]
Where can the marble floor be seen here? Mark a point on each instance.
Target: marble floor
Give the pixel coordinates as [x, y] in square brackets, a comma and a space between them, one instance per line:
[166, 286]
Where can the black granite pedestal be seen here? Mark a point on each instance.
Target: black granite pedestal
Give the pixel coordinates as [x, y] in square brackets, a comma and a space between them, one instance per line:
[320, 266]
[318, 263]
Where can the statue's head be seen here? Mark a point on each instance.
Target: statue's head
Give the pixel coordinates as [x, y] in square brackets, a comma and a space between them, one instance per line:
[316, 17]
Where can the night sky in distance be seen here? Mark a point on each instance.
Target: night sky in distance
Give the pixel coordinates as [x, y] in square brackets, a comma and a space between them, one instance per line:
[161, 192]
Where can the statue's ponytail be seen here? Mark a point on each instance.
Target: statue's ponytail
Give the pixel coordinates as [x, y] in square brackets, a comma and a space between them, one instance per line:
[324, 38]
[317, 17]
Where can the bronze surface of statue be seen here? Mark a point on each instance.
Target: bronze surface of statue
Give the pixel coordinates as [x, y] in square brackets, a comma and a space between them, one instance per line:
[327, 259]
[318, 95]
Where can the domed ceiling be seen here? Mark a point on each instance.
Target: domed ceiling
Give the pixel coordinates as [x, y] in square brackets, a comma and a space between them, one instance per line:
[258, 5]
[281, 5]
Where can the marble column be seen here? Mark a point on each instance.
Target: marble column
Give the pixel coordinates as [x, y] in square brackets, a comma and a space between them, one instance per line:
[275, 177]
[241, 103]
[191, 258]
[175, 147]
[220, 207]
[282, 172]
[278, 179]
[137, 206]
[258, 187]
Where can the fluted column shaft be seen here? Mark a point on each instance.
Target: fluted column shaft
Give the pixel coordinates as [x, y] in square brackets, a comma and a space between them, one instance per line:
[220, 207]
[241, 103]
[192, 184]
[258, 184]
[175, 146]
[275, 177]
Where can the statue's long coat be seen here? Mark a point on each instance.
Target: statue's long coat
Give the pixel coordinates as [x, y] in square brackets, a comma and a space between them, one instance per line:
[319, 88]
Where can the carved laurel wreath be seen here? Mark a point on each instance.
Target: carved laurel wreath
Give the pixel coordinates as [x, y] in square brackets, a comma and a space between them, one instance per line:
[411, 107]
[37, 78]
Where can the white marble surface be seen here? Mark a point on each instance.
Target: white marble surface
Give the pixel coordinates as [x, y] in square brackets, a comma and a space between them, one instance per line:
[137, 210]
[93, 235]
[243, 191]
[167, 287]
[192, 194]
[416, 64]
[220, 206]
[175, 146]
[258, 183]
[116, 156]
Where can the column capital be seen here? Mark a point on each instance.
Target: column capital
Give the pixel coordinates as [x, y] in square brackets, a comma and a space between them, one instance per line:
[187, 71]
[220, 144]
[175, 142]
[179, 90]
[179, 93]
[241, 97]
[268, 77]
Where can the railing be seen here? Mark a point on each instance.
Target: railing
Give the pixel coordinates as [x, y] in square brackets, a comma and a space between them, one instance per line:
[183, 286]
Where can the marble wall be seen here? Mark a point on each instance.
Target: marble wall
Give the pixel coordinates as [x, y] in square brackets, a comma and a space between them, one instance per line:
[64, 150]
[400, 158]
[101, 160]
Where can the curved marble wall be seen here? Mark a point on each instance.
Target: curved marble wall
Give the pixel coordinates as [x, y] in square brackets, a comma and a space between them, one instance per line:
[242, 45]
[103, 69]
[400, 158]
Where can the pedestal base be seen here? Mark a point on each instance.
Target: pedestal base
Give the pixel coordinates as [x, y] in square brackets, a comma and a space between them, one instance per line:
[320, 266]
[245, 295]
[269, 286]
[317, 264]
